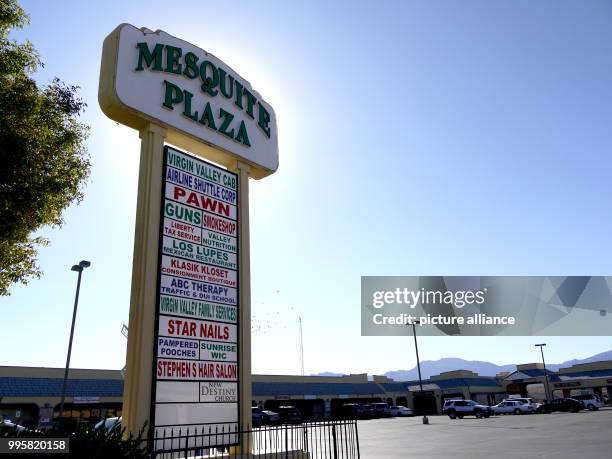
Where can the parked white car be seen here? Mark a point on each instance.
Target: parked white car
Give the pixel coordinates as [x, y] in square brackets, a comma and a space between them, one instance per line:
[512, 407]
[591, 402]
[537, 407]
[398, 410]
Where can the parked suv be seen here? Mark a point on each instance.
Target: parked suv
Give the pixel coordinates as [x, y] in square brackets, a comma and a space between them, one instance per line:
[591, 402]
[460, 408]
[563, 404]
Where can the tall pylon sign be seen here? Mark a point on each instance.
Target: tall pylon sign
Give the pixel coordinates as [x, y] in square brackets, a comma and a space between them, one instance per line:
[204, 131]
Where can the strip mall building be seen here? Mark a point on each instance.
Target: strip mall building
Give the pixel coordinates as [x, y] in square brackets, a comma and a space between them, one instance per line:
[31, 396]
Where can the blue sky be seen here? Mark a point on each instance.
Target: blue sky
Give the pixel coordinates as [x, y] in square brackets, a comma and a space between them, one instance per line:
[416, 138]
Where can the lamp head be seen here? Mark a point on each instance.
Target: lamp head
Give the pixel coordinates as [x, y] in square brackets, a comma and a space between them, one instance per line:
[539, 345]
[76, 268]
[84, 264]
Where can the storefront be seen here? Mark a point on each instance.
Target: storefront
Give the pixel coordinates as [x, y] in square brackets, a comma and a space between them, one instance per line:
[31, 396]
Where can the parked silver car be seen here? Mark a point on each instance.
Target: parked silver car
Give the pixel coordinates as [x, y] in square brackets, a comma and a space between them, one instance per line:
[460, 408]
[537, 407]
[591, 402]
[398, 410]
[513, 407]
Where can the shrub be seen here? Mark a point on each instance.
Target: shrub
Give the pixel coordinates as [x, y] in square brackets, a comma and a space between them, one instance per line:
[90, 443]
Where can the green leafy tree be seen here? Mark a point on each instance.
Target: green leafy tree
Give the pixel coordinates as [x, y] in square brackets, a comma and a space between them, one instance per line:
[44, 164]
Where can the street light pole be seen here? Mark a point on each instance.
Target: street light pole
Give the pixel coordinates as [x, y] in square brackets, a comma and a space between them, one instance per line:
[546, 388]
[416, 347]
[78, 268]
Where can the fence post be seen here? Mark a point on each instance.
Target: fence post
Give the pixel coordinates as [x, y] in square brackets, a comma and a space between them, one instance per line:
[357, 440]
[286, 441]
[334, 441]
[186, 443]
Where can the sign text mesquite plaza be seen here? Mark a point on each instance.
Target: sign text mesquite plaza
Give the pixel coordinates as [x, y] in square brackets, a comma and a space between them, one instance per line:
[176, 84]
[196, 368]
[188, 356]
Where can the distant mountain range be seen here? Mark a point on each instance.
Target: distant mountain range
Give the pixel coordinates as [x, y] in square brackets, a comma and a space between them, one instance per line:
[430, 368]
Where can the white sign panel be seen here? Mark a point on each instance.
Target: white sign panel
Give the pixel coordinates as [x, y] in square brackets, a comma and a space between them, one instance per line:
[180, 327]
[196, 340]
[155, 76]
[202, 392]
[199, 271]
[184, 307]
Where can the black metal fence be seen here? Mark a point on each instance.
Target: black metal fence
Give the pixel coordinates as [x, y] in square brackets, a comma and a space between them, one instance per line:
[310, 440]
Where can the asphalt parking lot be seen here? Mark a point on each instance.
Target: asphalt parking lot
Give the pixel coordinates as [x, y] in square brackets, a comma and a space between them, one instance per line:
[584, 435]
